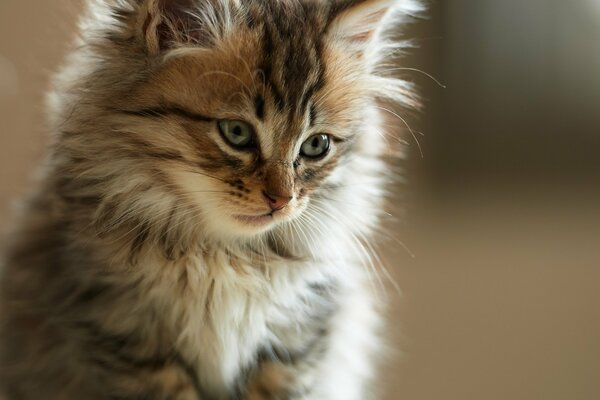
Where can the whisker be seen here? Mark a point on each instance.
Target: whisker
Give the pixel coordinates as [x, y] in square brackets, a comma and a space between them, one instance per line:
[205, 174]
[408, 126]
[437, 81]
[249, 91]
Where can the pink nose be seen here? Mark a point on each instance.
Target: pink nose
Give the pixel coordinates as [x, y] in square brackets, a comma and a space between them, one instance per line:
[276, 202]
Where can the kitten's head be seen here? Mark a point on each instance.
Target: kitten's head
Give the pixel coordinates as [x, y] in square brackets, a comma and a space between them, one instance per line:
[234, 114]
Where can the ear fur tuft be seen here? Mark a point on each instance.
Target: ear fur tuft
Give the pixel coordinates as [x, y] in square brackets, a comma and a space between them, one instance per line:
[357, 21]
[369, 29]
[161, 23]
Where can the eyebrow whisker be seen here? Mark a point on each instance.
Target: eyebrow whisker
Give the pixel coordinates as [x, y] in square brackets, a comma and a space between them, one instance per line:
[159, 112]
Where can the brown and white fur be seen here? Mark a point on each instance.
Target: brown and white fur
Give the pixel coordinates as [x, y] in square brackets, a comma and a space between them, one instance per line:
[150, 263]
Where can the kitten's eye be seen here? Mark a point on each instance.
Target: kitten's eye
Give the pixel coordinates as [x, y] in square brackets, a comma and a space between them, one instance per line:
[237, 133]
[316, 146]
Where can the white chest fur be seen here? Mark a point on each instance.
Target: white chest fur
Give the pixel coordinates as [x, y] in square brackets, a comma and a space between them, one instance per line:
[229, 313]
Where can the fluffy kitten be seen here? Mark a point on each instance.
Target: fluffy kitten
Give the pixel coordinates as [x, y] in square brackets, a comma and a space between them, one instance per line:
[198, 232]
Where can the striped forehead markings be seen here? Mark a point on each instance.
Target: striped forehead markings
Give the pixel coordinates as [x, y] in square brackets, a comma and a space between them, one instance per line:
[292, 58]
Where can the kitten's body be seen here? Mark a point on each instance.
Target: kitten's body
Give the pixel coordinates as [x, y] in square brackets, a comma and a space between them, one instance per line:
[129, 278]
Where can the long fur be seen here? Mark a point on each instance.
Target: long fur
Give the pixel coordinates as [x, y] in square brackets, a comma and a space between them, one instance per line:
[128, 277]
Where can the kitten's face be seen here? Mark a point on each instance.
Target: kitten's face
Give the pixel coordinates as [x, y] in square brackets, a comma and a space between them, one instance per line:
[250, 128]
[223, 118]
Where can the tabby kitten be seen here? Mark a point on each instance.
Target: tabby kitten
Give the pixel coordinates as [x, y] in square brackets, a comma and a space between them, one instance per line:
[198, 232]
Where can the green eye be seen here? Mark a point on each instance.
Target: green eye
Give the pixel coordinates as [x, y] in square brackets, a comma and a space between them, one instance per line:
[239, 134]
[316, 146]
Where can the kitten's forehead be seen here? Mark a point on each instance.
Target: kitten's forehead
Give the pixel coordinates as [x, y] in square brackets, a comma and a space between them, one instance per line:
[291, 52]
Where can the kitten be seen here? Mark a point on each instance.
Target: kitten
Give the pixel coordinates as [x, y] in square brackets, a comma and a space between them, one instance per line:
[198, 233]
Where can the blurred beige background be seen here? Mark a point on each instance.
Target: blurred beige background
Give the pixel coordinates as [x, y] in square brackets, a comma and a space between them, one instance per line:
[501, 217]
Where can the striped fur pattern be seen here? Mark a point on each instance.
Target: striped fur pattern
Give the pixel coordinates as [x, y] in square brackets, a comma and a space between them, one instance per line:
[148, 263]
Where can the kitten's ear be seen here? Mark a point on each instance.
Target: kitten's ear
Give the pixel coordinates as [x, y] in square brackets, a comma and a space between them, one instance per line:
[364, 29]
[356, 21]
[160, 24]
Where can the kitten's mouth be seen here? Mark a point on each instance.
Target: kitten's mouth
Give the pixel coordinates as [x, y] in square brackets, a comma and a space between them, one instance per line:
[255, 220]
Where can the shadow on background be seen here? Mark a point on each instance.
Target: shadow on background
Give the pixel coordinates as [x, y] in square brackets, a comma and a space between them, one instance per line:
[500, 297]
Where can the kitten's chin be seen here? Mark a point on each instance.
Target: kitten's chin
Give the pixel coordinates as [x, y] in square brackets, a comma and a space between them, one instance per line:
[255, 221]
[240, 226]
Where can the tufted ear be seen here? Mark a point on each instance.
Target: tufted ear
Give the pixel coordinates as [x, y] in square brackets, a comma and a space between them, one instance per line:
[368, 30]
[357, 21]
[160, 24]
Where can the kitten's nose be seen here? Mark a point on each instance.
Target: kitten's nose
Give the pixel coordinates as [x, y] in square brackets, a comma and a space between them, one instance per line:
[277, 202]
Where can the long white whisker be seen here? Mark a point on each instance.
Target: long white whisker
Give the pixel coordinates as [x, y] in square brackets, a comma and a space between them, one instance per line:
[437, 81]
[407, 126]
